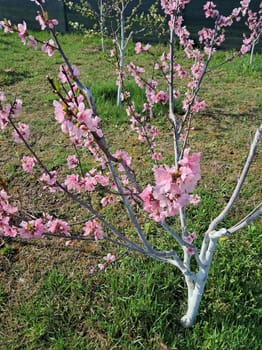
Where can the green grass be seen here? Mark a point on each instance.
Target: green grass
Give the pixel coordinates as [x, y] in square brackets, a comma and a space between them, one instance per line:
[48, 299]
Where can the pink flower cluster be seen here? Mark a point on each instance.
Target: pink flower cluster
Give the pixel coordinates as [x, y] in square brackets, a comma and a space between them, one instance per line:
[189, 239]
[153, 96]
[136, 72]
[76, 119]
[109, 258]
[254, 23]
[38, 227]
[44, 22]
[88, 183]
[6, 213]
[28, 163]
[123, 157]
[140, 48]
[140, 123]
[93, 228]
[50, 181]
[210, 10]
[7, 111]
[22, 133]
[65, 74]
[173, 188]
[172, 7]
[27, 229]
[48, 47]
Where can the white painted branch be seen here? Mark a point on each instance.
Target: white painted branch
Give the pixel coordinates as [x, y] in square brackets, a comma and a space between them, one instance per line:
[121, 53]
[240, 182]
[101, 22]
[247, 220]
[129, 208]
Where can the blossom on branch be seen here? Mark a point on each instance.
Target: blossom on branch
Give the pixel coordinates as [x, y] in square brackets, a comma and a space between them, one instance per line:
[22, 132]
[173, 188]
[28, 163]
[93, 228]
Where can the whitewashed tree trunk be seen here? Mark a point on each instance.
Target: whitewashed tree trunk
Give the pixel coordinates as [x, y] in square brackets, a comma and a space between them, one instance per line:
[101, 23]
[196, 287]
[121, 53]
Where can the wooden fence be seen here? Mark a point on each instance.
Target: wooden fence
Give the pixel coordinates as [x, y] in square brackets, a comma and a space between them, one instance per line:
[18, 10]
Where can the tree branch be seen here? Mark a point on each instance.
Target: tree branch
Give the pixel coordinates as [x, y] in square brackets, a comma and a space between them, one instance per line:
[240, 182]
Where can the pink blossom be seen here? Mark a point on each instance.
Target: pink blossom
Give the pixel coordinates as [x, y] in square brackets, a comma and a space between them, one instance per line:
[209, 9]
[41, 21]
[50, 180]
[172, 7]
[5, 207]
[157, 156]
[190, 238]
[162, 97]
[139, 48]
[16, 109]
[65, 74]
[2, 96]
[103, 180]
[125, 96]
[109, 258]
[236, 11]
[190, 251]
[51, 23]
[163, 178]
[59, 112]
[136, 71]
[85, 115]
[123, 157]
[58, 226]
[72, 161]
[22, 31]
[32, 42]
[23, 130]
[88, 183]
[101, 266]
[32, 229]
[7, 25]
[7, 230]
[198, 106]
[93, 227]
[109, 199]
[172, 187]
[28, 163]
[72, 182]
[4, 116]
[195, 199]
[147, 47]
[92, 270]
[245, 3]
[49, 47]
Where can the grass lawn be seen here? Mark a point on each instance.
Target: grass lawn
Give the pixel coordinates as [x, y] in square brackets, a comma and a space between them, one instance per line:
[49, 300]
